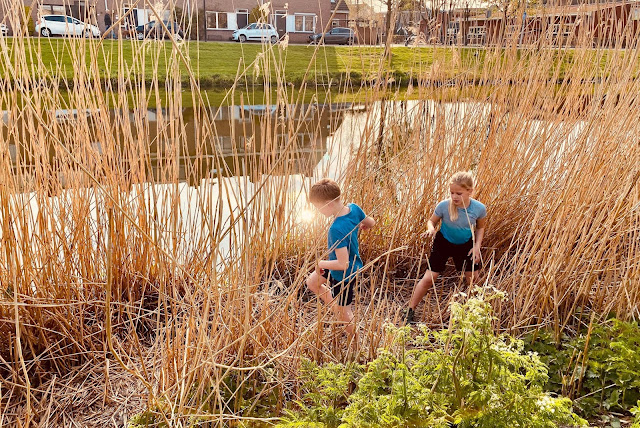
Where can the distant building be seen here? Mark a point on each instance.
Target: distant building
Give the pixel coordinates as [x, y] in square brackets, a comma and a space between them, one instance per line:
[562, 22]
[298, 18]
[217, 18]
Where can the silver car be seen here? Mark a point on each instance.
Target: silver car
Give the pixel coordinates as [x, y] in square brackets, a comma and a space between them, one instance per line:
[256, 31]
[62, 25]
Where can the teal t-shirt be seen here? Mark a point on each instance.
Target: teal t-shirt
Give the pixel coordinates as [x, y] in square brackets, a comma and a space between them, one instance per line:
[459, 231]
[344, 233]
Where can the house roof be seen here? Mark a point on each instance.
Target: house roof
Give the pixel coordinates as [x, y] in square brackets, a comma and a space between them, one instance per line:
[341, 6]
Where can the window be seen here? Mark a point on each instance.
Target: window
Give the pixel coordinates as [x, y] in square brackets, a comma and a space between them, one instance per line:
[477, 31]
[217, 20]
[55, 18]
[305, 23]
[52, 9]
[635, 14]
[335, 23]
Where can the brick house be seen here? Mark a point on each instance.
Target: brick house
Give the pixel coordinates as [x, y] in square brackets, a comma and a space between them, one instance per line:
[298, 18]
[603, 23]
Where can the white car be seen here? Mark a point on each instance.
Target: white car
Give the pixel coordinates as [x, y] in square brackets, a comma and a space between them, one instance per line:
[256, 31]
[61, 25]
[4, 30]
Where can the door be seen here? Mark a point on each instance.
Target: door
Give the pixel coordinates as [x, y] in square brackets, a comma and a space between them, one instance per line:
[78, 27]
[242, 18]
[56, 24]
[252, 32]
[263, 33]
[280, 22]
[70, 27]
[332, 36]
[79, 10]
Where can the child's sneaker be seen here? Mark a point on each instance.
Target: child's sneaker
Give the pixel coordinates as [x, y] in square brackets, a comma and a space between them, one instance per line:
[408, 318]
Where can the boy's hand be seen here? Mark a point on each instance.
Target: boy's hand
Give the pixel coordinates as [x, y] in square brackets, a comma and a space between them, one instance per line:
[475, 254]
[319, 270]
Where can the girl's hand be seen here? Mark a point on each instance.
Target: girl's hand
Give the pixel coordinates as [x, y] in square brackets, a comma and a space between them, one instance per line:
[475, 254]
[428, 234]
[319, 270]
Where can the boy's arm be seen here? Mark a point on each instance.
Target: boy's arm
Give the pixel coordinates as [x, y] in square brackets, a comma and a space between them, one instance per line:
[341, 262]
[367, 223]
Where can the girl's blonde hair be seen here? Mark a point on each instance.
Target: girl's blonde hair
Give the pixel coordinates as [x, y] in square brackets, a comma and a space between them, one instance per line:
[463, 179]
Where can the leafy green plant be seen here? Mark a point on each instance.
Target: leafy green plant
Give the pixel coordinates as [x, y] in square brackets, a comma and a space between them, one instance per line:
[636, 412]
[326, 391]
[599, 368]
[465, 375]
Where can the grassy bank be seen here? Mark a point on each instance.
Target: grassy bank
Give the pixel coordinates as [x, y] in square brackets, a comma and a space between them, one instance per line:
[218, 65]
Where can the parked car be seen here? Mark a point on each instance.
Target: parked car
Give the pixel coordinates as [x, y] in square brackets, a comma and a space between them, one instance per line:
[338, 35]
[62, 25]
[4, 30]
[155, 30]
[256, 31]
[141, 30]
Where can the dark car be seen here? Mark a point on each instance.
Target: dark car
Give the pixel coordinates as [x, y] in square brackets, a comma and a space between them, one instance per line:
[338, 36]
[156, 30]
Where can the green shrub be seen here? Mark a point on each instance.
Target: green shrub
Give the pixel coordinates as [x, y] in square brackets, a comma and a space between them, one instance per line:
[636, 412]
[27, 21]
[465, 375]
[600, 369]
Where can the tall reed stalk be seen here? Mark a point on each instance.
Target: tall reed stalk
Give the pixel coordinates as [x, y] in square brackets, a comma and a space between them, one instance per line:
[134, 277]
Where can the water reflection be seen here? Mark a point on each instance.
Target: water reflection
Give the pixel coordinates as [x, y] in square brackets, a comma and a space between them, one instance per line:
[168, 146]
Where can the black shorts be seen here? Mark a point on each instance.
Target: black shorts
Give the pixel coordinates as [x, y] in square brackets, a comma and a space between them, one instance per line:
[341, 291]
[443, 249]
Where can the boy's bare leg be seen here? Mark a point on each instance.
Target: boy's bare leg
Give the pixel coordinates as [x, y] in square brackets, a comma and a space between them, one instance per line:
[316, 283]
[345, 315]
[422, 287]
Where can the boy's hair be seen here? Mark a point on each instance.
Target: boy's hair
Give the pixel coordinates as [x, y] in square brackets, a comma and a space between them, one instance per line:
[325, 190]
[465, 180]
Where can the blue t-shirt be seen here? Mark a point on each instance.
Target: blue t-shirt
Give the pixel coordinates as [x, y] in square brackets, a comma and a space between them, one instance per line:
[459, 231]
[344, 233]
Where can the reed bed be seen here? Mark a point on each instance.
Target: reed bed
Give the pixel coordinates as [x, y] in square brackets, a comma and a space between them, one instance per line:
[140, 271]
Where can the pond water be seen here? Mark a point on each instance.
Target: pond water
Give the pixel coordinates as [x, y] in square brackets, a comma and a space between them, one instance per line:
[191, 173]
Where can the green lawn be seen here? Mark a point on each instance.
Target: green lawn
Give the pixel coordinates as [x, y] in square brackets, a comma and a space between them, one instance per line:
[216, 64]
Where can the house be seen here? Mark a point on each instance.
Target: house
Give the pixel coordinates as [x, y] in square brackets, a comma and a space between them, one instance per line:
[601, 24]
[218, 18]
[339, 13]
[361, 17]
[297, 18]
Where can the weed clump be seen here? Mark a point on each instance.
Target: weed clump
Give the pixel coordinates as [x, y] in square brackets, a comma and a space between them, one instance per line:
[465, 375]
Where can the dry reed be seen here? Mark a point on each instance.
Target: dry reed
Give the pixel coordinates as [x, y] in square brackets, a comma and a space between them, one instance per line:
[121, 280]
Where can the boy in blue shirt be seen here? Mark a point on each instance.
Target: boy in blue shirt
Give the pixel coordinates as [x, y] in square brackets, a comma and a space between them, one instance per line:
[344, 262]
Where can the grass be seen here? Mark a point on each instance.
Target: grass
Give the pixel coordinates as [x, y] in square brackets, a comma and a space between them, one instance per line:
[119, 281]
[216, 65]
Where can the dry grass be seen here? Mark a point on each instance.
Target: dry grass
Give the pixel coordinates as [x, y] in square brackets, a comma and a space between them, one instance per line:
[123, 288]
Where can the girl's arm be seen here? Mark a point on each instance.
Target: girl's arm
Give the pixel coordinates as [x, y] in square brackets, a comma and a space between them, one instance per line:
[367, 223]
[431, 226]
[479, 234]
